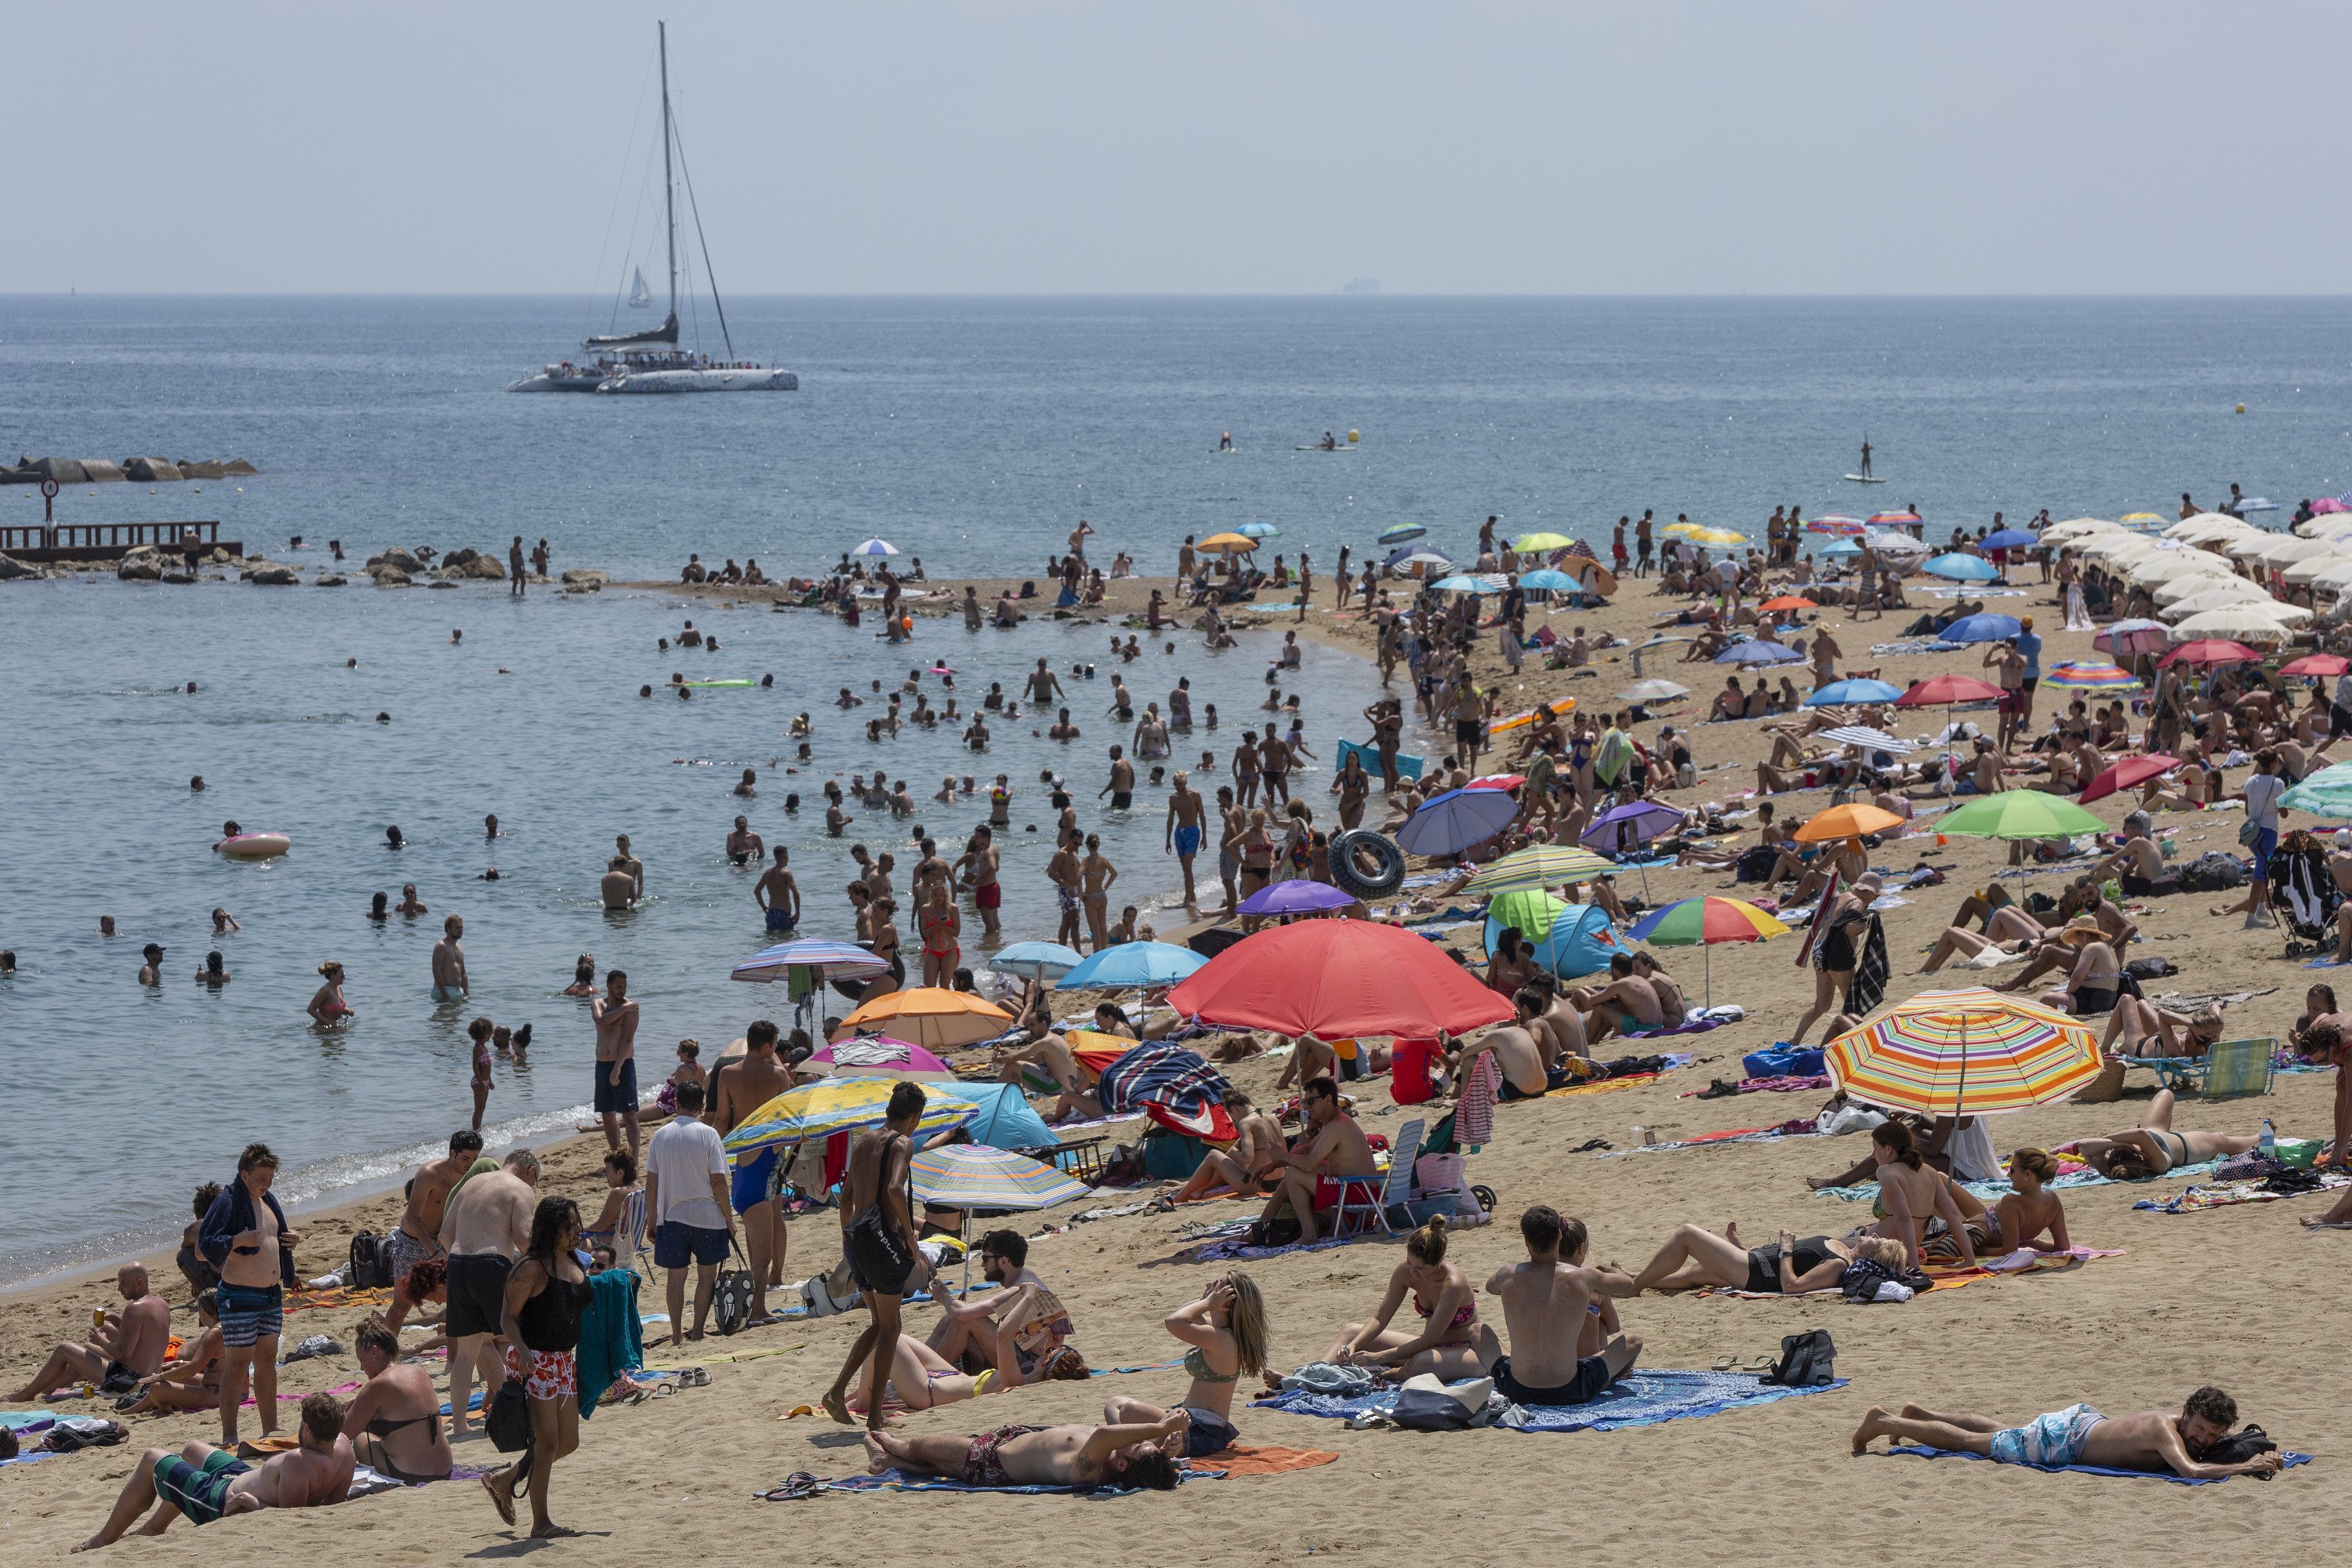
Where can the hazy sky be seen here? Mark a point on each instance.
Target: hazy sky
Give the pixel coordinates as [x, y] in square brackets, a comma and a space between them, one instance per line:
[1198, 147]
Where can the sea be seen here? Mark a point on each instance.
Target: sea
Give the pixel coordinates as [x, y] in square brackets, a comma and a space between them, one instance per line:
[971, 434]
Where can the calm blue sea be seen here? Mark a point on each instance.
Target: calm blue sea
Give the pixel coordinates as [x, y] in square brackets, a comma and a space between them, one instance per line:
[971, 432]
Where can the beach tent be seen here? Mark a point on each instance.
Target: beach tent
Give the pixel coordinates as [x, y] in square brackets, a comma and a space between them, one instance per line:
[1583, 941]
[1005, 1119]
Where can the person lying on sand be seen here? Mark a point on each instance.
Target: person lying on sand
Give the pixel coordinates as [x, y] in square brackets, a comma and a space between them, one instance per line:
[1132, 1456]
[2152, 1148]
[1695, 1257]
[1050, 1052]
[203, 1484]
[2080, 1434]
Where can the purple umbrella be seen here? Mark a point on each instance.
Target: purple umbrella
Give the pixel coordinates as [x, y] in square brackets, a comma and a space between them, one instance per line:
[1622, 827]
[1296, 897]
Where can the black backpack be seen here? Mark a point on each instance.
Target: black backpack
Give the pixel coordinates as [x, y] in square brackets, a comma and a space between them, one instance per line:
[1805, 1361]
[508, 1419]
[730, 1303]
[371, 1267]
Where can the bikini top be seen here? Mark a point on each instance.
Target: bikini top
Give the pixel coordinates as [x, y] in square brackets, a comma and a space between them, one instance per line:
[1463, 1318]
[1196, 1363]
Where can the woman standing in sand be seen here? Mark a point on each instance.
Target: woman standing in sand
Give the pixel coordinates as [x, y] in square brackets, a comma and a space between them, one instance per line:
[1224, 1333]
[545, 1296]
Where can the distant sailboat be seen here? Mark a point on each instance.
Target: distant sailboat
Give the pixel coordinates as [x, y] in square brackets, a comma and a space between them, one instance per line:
[640, 297]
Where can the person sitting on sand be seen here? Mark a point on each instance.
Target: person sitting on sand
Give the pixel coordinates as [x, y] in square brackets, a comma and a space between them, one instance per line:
[1451, 1343]
[203, 1484]
[1224, 1336]
[192, 1382]
[1257, 1137]
[1334, 1152]
[2079, 1435]
[1696, 1258]
[397, 1412]
[1140, 1456]
[1565, 1349]
[2031, 1212]
[1912, 1194]
[2096, 979]
[1050, 1052]
[1021, 1329]
[128, 1345]
[2152, 1148]
[1626, 1004]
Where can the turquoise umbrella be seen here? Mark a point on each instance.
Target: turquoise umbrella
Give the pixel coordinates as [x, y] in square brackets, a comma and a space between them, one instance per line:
[1258, 530]
[2327, 792]
[1401, 532]
[1550, 581]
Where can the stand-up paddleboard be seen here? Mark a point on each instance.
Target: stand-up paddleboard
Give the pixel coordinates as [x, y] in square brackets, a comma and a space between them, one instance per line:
[1406, 767]
[1318, 447]
[710, 683]
[254, 846]
[1865, 479]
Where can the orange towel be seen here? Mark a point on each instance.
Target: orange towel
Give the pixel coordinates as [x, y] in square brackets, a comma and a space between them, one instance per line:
[1257, 1459]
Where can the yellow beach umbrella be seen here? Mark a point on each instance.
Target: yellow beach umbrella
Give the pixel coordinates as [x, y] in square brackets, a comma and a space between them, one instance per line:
[833, 1105]
[1226, 544]
[1717, 536]
[1542, 541]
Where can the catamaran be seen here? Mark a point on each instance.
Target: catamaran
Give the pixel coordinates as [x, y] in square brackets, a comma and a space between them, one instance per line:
[653, 361]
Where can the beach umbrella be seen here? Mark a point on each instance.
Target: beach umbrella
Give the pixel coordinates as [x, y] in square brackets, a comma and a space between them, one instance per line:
[1717, 536]
[1894, 519]
[2075, 528]
[1965, 1053]
[1756, 651]
[1545, 580]
[975, 1176]
[2327, 792]
[2318, 664]
[2204, 599]
[2210, 592]
[2237, 623]
[1226, 544]
[1527, 911]
[2311, 568]
[2142, 519]
[2130, 773]
[1296, 897]
[1962, 568]
[1401, 532]
[1843, 547]
[820, 1110]
[1651, 644]
[2326, 504]
[1418, 555]
[878, 1056]
[1889, 542]
[1037, 960]
[2280, 548]
[1981, 628]
[1496, 780]
[2008, 539]
[2255, 503]
[1682, 528]
[1788, 603]
[1531, 543]
[1132, 964]
[1465, 583]
[1174, 1085]
[1540, 865]
[2130, 639]
[1945, 690]
[1450, 823]
[2212, 650]
[1846, 822]
[1340, 979]
[1701, 923]
[2089, 677]
[931, 1016]
[875, 547]
[1651, 692]
[1853, 694]
[1257, 530]
[1831, 522]
[1622, 827]
[830, 959]
[1868, 740]
[2020, 814]
[1558, 706]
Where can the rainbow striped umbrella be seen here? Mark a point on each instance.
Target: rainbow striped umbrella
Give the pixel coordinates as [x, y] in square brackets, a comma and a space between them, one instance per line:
[1894, 519]
[840, 1105]
[1541, 865]
[975, 1176]
[2091, 675]
[1702, 922]
[1846, 526]
[1965, 1053]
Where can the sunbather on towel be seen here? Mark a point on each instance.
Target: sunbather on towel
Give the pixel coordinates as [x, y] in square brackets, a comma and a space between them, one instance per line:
[1129, 1457]
[204, 1484]
[2079, 1435]
[2152, 1148]
[1451, 1343]
[1695, 1257]
[1562, 1352]
[2032, 1212]
[1225, 1331]
[1021, 1330]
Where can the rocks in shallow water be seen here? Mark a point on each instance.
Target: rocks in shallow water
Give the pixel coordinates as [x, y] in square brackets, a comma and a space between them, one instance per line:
[180, 579]
[11, 569]
[202, 468]
[333, 580]
[463, 564]
[134, 570]
[387, 576]
[65, 471]
[269, 577]
[148, 470]
[236, 466]
[583, 577]
[396, 557]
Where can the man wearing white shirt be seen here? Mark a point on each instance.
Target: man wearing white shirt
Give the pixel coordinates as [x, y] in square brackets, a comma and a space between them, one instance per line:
[686, 1196]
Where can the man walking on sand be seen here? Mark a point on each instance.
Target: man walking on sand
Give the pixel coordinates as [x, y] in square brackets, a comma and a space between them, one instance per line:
[485, 1228]
[877, 1237]
[747, 1085]
[616, 1060]
[686, 1197]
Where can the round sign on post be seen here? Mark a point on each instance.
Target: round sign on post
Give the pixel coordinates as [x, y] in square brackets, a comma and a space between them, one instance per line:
[49, 499]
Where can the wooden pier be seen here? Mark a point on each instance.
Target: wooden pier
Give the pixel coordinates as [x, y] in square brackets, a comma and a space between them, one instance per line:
[50, 542]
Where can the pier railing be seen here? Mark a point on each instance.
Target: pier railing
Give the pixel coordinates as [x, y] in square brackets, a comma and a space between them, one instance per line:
[49, 540]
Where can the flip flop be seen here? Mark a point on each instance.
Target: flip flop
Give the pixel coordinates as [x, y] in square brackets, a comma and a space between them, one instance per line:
[504, 1504]
[798, 1485]
[1725, 1362]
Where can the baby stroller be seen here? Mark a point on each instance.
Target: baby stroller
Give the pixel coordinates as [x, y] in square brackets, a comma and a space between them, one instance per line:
[2304, 894]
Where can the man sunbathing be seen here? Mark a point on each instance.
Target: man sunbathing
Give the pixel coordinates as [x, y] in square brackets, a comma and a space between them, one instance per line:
[1130, 1456]
[125, 1348]
[1336, 1152]
[202, 1483]
[1560, 1353]
[2079, 1435]
[1050, 1053]
[192, 1382]
[1627, 1003]
[1514, 1049]
[2152, 1148]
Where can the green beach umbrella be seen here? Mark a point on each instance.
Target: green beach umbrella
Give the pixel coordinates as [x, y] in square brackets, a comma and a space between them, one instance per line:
[1537, 867]
[2327, 792]
[2020, 814]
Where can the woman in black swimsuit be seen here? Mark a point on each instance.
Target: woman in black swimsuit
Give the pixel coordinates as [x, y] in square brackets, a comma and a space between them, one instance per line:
[1696, 1257]
[395, 1420]
[1843, 923]
[545, 1297]
[2153, 1147]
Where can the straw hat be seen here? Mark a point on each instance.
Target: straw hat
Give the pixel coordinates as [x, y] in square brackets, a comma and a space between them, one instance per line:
[2083, 928]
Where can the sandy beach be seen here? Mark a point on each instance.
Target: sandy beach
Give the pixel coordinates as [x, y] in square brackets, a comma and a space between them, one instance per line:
[1773, 1483]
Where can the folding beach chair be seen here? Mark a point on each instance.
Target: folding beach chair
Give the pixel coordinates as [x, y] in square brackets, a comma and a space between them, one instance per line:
[1369, 1198]
[629, 1233]
[2227, 1069]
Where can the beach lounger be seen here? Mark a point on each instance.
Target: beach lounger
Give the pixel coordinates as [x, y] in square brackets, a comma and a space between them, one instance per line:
[629, 1233]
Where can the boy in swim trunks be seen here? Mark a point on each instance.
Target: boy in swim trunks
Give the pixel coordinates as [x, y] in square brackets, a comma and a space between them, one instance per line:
[202, 1483]
[2079, 1435]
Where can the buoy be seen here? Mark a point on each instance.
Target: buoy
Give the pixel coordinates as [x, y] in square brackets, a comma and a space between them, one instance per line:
[2241, 408]
[1353, 436]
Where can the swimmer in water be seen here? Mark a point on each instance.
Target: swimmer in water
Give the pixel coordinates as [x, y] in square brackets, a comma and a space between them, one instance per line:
[743, 786]
[583, 976]
[409, 904]
[327, 1007]
[224, 922]
[380, 907]
[743, 846]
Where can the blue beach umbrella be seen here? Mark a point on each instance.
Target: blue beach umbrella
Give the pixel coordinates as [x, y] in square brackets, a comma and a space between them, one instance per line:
[2010, 539]
[1037, 960]
[875, 547]
[1450, 823]
[1852, 693]
[1757, 652]
[1981, 628]
[1843, 547]
[1258, 530]
[1460, 584]
[1401, 532]
[1548, 581]
[1962, 568]
[1129, 964]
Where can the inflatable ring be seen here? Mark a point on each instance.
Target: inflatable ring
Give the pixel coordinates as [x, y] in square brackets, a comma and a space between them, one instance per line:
[254, 846]
[1367, 863]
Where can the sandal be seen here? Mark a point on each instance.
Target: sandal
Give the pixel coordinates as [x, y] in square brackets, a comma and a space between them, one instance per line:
[798, 1485]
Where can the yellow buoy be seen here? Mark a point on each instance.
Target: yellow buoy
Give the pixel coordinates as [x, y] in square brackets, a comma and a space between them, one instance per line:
[2241, 408]
[1353, 436]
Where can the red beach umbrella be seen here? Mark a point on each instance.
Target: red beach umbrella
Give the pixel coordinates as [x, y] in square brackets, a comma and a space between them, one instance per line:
[2129, 774]
[1943, 691]
[1339, 979]
[2318, 664]
[2212, 650]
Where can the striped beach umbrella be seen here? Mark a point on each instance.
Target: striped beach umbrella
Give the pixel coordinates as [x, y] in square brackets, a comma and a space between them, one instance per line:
[878, 1056]
[1893, 519]
[1843, 526]
[1965, 1053]
[1401, 532]
[2091, 675]
[817, 1110]
[1540, 865]
[831, 960]
[975, 1176]
[875, 547]
[1703, 923]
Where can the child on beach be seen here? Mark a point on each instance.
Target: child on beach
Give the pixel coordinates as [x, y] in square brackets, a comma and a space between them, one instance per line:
[479, 1031]
[690, 1069]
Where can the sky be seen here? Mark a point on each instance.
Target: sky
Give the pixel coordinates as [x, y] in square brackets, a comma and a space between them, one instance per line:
[1023, 147]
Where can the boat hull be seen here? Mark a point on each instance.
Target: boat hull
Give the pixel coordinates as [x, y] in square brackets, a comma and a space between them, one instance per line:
[544, 382]
[713, 380]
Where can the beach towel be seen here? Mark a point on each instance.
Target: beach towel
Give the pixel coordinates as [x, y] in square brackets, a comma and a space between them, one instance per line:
[1638, 1399]
[612, 1341]
[899, 1481]
[1267, 1459]
[2199, 1195]
[1951, 1275]
[1992, 1191]
[1913, 1451]
[1474, 1122]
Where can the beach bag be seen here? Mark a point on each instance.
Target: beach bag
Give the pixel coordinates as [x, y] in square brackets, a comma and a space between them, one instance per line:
[2240, 1446]
[1434, 1173]
[509, 1417]
[730, 1301]
[1806, 1360]
[371, 1267]
[1426, 1404]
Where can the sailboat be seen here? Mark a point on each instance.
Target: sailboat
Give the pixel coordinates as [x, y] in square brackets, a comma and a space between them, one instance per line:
[640, 297]
[649, 362]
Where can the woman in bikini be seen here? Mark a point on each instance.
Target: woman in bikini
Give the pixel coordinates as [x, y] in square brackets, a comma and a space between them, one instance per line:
[941, 927]
[2098, 975]
[2032, 1212]
[1843, 923]
[2152, 1148]
[1453, 1342]
[1257, 852]
[193, 1381]
[1912, 1193]
[395, 1420]
[1696, 1258]
[328, 1007]
[1224, 1336]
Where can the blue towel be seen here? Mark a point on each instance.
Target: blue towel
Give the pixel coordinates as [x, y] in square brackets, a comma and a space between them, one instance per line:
[1637, 1399]
[612, 1340]
[1912, 1451]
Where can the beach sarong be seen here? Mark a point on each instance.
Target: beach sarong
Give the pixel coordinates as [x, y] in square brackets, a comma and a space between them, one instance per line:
[1638, 1399]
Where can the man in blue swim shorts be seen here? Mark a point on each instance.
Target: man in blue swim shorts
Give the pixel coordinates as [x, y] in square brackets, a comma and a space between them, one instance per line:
[777, 895]
[1186, 814]
[743, 1086]
[2151, 1441]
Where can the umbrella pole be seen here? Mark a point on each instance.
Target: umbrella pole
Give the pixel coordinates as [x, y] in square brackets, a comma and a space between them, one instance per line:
[1707, 961]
